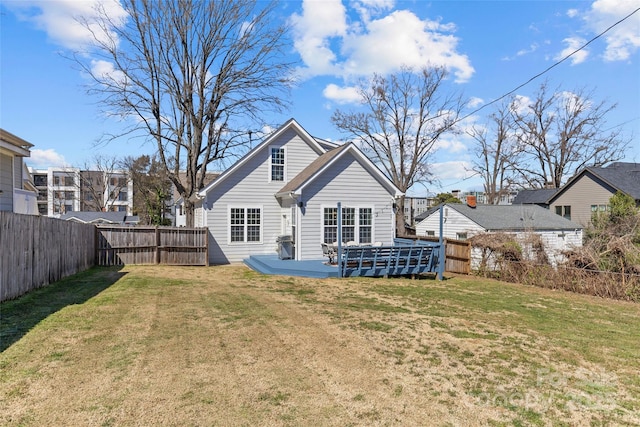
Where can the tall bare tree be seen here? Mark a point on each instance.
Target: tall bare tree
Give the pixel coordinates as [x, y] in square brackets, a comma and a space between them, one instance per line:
[561, 132]
[496, 154]
[406, 113]
[194, 76]
[152, 189]
[101, 182]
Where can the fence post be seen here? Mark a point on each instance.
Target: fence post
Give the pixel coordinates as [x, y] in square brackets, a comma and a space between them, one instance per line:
[157, 245]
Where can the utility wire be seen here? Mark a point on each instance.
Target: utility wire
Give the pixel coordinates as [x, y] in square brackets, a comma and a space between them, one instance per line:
[550, 67]
[538, 75]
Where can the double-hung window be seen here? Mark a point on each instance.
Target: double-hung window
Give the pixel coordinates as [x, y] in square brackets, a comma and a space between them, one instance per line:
[330, 225]
[365, 223]
[357, 225]
[277, 163]
[245, 225]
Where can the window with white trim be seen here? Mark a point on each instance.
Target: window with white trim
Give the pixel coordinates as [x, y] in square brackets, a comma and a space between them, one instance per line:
[277, 164]
[245, 225]
[330, 225]
[365, 225]
[357, 225]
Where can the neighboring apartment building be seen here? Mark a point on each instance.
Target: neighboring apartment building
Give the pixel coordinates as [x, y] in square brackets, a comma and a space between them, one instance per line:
[63, 190]
[414, 206]
[481, 197]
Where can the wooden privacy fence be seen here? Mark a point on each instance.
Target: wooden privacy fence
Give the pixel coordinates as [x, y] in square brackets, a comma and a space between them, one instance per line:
[36, 251]
[152, 245]
[457, 254]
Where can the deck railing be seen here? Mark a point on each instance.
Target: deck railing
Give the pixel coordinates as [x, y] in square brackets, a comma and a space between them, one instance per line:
[405, 257]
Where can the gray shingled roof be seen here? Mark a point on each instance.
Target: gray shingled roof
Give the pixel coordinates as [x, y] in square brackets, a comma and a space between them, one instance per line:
[623, 176]
[311, 170]
[540, 196]
[91, 217]
[514, 217]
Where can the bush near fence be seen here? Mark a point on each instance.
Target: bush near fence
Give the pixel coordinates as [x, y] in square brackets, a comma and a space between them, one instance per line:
[36, 251]
[603, 284]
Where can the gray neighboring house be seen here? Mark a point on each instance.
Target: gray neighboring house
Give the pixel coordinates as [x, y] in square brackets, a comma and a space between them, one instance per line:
[590, 190]
[114, 218]
[462, 221]
[538, 197]
[17, 192]
[290, 185]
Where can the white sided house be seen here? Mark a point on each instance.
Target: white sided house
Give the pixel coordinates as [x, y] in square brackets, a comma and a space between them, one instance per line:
[461, 221]
[290, 185]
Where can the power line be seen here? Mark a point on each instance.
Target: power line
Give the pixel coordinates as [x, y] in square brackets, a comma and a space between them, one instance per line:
[550, 67]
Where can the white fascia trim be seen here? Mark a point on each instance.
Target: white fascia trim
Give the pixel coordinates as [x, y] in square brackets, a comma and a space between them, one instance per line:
[395, 192]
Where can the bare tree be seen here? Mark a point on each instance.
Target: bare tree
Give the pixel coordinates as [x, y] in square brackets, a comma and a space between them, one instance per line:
[152, 189]
[496, 154]
[192, 75]
[560, 133]
[103, 183]
[99, 185]
[406, 114]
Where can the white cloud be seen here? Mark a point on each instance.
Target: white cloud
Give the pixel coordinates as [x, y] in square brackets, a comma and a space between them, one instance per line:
[573, 44]
[342, 95]
[475, 102]
[320, 21]
[106, 71]
[60, 19]
[624, 39]
[45, 158]
[328, 46]
[521, 104]
[458, 169]
[368, 8]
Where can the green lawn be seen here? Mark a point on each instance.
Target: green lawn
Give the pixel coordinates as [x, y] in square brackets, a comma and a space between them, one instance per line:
[227, 346]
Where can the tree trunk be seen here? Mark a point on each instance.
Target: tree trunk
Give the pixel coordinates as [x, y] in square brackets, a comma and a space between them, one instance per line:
[400, 229]
[189, 210]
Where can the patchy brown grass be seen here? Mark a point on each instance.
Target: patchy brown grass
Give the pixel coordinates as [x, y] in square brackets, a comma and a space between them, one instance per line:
[227, 346]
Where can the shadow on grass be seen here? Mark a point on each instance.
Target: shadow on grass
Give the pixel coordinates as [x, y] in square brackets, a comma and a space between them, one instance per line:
[18, 316]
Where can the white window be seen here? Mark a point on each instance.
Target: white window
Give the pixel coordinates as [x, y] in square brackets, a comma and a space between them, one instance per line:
[357, 225]
[365, 225]
[245, 225]
[277, 164]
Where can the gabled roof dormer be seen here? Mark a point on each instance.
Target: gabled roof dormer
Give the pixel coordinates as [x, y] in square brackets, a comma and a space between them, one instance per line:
[319, 146]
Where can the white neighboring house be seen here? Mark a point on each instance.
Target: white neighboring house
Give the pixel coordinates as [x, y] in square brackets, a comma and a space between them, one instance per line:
[17, 192]
[462, 221]
[290, 184]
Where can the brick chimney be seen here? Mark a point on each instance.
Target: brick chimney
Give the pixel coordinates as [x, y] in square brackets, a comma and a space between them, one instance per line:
[471, 201]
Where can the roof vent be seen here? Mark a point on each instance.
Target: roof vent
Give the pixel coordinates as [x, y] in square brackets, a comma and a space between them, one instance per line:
[471, 201]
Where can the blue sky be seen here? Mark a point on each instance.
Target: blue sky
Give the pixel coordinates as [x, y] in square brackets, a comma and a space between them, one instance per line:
[490, 48]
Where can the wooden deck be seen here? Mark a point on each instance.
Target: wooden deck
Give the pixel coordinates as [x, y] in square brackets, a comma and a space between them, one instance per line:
[405, 257]
[271, 264]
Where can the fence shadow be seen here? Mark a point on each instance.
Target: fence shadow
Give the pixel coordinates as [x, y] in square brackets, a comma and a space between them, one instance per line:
[19, 316]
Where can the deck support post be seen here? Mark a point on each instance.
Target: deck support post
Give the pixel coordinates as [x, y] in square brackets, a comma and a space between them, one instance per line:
[339, 239]
[441, 257]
